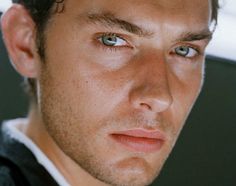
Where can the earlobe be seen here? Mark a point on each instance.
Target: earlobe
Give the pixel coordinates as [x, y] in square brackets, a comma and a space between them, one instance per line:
[18, 31]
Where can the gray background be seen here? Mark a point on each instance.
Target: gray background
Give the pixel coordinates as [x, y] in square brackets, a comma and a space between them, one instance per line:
[205, 154]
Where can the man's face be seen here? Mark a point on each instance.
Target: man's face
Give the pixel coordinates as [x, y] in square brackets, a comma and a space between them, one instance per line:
[118, 81]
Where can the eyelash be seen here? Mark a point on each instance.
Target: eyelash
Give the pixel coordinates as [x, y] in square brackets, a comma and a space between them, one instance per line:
[199, 53]
[111, 48]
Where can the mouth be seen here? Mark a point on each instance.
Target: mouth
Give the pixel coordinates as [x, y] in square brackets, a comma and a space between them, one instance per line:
[140, 140]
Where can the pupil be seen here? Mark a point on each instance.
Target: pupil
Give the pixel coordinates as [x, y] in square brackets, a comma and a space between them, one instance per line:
[109, 40]
[182, 50]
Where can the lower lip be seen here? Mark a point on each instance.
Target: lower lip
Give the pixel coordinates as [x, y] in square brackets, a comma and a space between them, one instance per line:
[138, 144]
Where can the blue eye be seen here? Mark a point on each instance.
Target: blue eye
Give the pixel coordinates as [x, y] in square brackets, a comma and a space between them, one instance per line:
[186, 51]
[112, 40]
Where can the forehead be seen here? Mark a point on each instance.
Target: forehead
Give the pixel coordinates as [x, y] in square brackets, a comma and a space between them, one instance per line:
[170, 13]
[144, 7]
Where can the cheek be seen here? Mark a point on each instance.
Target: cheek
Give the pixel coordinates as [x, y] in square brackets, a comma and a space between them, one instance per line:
[80, 94]
[185, 94]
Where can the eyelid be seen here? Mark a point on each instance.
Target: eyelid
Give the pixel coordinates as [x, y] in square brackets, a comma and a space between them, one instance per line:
[119, 39]
[198, 50]
[121, 36]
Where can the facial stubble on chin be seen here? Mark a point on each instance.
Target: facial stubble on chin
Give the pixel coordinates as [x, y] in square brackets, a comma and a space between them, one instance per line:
[88, 160]
[61, 122]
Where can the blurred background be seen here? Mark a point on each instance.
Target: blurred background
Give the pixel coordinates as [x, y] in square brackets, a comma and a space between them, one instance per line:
[205, 154]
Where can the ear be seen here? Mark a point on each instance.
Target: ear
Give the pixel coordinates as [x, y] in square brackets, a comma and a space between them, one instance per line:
[19, 36]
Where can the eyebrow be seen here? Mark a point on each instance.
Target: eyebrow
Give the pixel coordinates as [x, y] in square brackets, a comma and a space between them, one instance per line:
[205, 34]
[108, 19]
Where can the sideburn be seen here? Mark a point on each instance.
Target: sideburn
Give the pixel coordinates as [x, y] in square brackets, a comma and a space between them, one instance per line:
[30, 83]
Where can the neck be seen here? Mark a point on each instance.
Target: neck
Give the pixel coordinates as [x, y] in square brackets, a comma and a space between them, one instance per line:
[72, 172]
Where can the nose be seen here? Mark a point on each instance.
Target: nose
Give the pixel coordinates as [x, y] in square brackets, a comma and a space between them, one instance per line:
[151, 90]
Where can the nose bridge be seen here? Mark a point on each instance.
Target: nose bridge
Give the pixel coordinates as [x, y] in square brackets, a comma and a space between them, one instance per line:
[155, 67]
[152, 90]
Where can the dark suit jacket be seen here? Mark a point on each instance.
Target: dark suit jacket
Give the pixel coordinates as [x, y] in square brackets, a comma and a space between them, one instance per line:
[18, 166]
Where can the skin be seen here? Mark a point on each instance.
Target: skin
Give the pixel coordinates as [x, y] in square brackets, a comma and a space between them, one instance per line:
[87, 90]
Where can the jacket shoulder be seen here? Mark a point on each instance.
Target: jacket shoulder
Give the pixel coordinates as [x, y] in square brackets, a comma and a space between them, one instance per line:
[5, 176]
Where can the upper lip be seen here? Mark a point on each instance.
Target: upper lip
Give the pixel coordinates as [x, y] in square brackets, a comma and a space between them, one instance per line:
[142, 133]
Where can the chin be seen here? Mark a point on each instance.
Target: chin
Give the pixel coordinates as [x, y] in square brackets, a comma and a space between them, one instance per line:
[131, 172]
[131, 180]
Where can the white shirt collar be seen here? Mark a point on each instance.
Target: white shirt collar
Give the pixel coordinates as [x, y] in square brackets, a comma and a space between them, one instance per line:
[10, 128]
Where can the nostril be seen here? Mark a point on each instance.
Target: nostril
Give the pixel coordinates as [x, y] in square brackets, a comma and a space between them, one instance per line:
[145, 106]
[151, 98]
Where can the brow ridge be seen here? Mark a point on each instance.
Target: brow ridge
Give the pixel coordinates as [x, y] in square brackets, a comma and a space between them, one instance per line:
[110, 20]
[205, 34]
